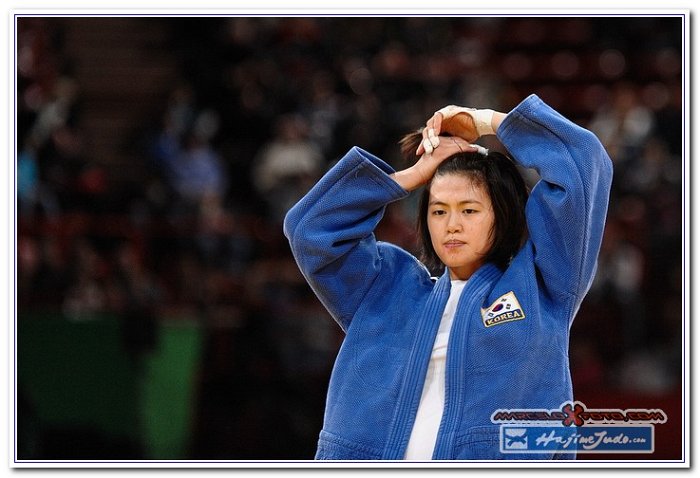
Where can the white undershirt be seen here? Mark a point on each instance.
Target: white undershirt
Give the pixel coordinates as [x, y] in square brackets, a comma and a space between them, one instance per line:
[432, 401]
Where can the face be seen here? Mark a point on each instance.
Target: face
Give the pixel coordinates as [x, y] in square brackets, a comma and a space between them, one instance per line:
[460, 221]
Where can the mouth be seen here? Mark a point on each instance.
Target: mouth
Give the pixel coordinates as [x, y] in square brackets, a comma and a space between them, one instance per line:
[453, 243]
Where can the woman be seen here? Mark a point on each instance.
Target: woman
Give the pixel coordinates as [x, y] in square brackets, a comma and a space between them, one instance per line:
[426, 362]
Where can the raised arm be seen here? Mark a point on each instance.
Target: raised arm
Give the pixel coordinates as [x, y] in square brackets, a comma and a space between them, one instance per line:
[567, 208]
[331, 229]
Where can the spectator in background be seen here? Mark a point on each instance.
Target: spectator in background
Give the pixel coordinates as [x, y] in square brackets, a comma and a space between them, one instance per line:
[624, 124]
[135, 294]
[53, 276]
[287, 166]
[86, 295]
[194, 169]
[32, 192]
[28, 264]
[618, 284]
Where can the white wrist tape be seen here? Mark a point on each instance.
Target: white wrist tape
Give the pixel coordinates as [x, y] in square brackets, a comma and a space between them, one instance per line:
[482, 118]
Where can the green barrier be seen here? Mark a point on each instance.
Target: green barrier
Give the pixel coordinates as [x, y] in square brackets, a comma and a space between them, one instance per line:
[81, 395]
[168, 391]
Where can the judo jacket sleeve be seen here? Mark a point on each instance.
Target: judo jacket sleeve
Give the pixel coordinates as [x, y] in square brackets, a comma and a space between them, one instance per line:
[567, 207]
[331, 231]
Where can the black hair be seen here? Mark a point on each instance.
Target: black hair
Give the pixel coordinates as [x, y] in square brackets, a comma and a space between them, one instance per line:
[506, 188]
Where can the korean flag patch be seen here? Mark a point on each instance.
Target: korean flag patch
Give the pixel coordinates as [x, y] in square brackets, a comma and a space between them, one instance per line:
[504, 309]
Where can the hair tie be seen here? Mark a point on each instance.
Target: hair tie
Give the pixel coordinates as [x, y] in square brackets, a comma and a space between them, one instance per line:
[481, 150]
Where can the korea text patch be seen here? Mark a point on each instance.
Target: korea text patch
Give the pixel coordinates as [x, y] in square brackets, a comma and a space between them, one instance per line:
[504, 309]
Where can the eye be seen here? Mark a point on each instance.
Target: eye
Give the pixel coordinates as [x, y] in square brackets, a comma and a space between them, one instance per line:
[437, 212]
[469, 211]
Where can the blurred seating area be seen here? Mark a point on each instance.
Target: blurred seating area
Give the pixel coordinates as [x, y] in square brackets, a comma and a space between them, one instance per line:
[156, 158]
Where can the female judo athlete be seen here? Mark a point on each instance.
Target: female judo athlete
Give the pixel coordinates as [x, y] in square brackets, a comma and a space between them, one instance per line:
[426, 361]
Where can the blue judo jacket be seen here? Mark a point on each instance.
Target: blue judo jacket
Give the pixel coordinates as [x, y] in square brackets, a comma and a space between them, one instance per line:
[389, 307]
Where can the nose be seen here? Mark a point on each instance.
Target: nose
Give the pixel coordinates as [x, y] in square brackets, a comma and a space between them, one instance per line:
[454, 224]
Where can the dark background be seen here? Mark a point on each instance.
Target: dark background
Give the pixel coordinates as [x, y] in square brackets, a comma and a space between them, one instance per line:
[159, 313]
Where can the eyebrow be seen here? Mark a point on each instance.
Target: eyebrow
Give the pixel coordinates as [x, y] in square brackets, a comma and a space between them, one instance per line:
[442, 203]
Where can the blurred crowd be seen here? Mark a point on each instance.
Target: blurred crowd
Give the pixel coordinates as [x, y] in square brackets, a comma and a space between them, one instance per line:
[259, 110]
